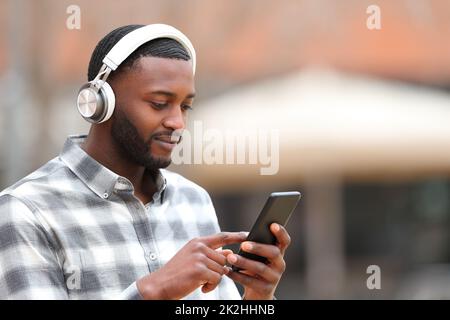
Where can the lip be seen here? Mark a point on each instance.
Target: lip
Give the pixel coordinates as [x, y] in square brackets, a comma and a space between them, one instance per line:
[169, 146]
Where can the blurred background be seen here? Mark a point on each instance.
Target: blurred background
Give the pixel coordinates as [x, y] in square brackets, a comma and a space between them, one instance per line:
[363, 116]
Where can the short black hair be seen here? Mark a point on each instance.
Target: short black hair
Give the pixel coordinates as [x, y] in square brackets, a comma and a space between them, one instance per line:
[161, 47]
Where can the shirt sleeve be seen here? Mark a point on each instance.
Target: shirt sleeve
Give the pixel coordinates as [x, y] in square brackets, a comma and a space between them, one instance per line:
[29, 266]
[131, 293]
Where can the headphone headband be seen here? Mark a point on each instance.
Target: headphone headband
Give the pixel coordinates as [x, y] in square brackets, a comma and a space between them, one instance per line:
[131, 41]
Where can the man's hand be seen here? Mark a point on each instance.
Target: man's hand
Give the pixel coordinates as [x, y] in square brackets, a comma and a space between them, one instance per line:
[260, 280]
[197, 264]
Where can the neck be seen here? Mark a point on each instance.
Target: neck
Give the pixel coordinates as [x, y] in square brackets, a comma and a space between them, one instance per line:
[108, 154]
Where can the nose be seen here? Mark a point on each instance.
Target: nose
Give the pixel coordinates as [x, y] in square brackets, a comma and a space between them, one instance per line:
[175, 120]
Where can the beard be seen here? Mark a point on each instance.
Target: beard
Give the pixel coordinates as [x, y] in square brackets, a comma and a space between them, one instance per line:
[133, 147]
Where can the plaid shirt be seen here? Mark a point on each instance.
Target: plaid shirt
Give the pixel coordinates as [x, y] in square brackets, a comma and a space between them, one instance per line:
[73, 229]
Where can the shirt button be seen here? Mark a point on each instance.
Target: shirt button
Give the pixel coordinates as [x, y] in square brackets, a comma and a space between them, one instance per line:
[152, 256]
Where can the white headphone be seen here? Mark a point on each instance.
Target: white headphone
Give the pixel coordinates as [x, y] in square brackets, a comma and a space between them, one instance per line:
[96, 100]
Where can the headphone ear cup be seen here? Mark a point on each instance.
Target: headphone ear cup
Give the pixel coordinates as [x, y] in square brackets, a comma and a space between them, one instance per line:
[109, 102]
[89, 103]
[96, 107]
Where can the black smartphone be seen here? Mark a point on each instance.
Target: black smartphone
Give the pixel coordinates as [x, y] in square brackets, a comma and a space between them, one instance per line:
[278, 208]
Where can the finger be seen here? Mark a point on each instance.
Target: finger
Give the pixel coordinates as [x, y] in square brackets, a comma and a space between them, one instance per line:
[216, 256]
[224, 238]
[268, 251]
[259, 269]
[248, 273]
[271, 252]
[216, 267]
[224, 252]
[213, 282]
[283, 238]
[248, 281]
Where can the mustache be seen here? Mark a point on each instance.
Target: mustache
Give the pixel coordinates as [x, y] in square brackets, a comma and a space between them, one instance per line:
[173, 135]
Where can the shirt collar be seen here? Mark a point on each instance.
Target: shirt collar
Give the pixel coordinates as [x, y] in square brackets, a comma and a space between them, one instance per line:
[97, 177]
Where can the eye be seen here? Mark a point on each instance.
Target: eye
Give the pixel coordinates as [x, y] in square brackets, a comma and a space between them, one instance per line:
[186, 107]
[158, 106]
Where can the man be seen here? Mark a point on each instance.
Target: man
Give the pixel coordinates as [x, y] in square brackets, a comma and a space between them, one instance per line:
[105, 220]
